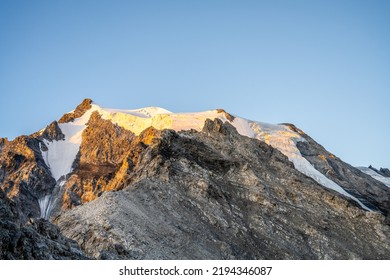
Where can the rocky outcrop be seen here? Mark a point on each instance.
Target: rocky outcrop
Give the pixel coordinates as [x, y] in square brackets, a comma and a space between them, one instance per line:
[78, 112]
[36, 239]
[218, 195]
[384, 172]
[104, 142]
[52, 132]
[104, 150]
[106, 160]
[371, 192]
[228, 116]
[2, 143]
[24, 176]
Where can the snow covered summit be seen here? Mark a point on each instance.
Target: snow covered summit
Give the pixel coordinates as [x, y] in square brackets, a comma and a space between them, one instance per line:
[60, 154]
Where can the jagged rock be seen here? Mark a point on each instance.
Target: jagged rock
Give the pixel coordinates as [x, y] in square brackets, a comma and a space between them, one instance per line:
[105, 162]
[384, 172]
[37, 239]
[2, 143]
[78, 112]
[105, 148]
[218, 195]
[24, 176]
[227, 115]
[53, 132]
[104, 142]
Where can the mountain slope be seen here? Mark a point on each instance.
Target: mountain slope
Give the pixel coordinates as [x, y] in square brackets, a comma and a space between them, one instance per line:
[149, 183]
[218, 195]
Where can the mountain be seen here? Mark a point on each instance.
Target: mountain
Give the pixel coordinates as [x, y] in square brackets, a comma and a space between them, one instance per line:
[151, 184]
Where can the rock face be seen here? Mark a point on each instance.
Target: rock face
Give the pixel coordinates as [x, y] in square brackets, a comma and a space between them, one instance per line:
[24, 176]
[184, 194]
[52, 132]
[105, 161]
[218, 195]
[104, 149]
[37, 239]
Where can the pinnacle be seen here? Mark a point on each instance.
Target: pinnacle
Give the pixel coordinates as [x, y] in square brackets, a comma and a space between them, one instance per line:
[84, 106]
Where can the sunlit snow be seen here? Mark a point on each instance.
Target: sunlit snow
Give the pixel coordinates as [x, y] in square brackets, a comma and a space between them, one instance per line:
[61, 154]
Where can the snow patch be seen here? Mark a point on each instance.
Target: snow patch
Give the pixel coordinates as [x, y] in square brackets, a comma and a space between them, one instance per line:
[281, 137]
[375, 175]
[61, 154]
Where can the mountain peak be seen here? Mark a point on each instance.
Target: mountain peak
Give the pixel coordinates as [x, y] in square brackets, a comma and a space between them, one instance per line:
[227, 115]
[84, 106]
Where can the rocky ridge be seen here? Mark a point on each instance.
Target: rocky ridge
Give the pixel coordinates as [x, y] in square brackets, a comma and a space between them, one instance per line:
[385, 172]
[374, 193]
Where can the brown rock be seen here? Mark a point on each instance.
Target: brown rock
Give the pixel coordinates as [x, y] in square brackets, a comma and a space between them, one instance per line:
[78, 112]
[24, 176]
[227, 115]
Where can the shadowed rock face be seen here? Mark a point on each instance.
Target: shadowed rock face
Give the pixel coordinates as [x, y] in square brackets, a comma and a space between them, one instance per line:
[37, 239]
[218, 195]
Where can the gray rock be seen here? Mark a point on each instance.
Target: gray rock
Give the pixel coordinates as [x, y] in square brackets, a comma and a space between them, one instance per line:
[53, 132]
[36, 239]
[384, 172]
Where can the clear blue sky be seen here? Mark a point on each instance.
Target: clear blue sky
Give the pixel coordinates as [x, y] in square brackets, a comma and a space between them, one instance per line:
[322, 65]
